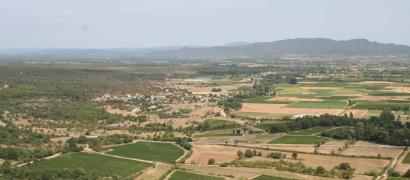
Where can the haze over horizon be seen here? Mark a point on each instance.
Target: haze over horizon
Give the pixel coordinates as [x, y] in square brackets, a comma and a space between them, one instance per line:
[161, 23]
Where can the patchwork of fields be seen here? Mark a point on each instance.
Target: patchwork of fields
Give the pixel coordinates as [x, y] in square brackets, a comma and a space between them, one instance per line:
[326, 97]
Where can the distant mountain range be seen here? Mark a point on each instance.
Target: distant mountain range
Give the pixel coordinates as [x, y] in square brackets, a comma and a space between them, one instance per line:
[300, 46]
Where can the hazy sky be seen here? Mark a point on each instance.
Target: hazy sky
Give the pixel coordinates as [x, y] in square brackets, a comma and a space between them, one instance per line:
[149, 23]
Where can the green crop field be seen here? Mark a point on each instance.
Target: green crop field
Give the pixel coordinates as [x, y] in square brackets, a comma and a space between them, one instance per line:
[264, 126]
[407, 159]
[220, 124]
[217, 133]
[321, 105]
[388, 93]
[258, 115]
[377, 105]
[289, 139]
[291, 89]
[397, 178]
[322, 92]
[92, 163]
[346, 90]
[311, 131]
[338, 98]
[183, 175]
[266, 177]
[265, 100]
[152, 151]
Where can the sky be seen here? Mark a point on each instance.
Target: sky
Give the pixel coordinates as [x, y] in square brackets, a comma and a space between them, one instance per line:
[165, 23]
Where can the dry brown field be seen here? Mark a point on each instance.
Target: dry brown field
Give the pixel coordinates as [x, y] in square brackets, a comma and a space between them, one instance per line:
[248, 173]
[306, 149]
[372, 151]
[362, 165]
[400, 166]
[332, 145]
[221, 154]
[281, 109]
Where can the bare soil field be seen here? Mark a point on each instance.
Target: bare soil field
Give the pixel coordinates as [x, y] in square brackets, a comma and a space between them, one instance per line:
[281, 109]
[399, 89]
[329, 149]
[371, 151]
[201, 154]
[248, 173]
[111, 110]
[221, 154]
[400, 166]
[361, 164]
[375, 82]
[332, 145]
[307, 149]
[369, 144]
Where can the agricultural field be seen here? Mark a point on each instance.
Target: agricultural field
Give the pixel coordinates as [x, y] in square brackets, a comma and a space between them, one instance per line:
[217, 133]
[151, 151]
[320, 105]
[92, 164]
[407, 159]
[266, 177]
[312, 131]
[181, 175]
[292, 139]
[204, 118]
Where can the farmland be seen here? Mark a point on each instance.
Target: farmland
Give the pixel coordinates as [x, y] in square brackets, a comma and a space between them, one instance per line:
[92, 164]
[315, 130]
[239, 126]
[289, 139]
[266, 177]
[180, 175]
[163, 152]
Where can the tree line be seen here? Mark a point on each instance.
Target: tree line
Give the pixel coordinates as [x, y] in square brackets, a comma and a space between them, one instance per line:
[383, 129]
